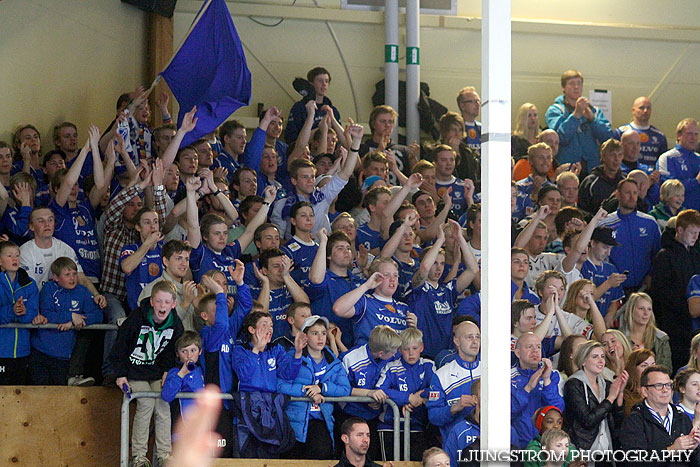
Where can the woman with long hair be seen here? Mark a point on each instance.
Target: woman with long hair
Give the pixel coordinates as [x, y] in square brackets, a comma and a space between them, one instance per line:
[617, 348]
[637, 362]
[687, 385]
[639, 325]
[526, 129]
[567, 365]
[593, 406]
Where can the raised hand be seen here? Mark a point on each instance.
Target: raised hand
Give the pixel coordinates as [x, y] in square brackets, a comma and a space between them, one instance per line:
[356, 132]
[153, 238]
[158, 174]
[193, 183]
[23, 193]
[212, 285]
[469, 188]
[411, 320]
[543, 212]
[374, 280]
[310, 108]
[270, 193]
[414, 181]
[189, 121]
[238, 272]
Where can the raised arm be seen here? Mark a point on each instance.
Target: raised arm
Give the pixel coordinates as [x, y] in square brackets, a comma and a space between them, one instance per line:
[413, 182]
[428, 260]
[345, 305]
[441, 218]
[339, 130]
[323, 139]
[393, 243]
[530, 228]
[355, 131]
[569, 262]
[98, 171]
[71, 178]
[297, 293]
[394, 167]
[259, 218]
[317, 273]
[224, 200]
[471, 274]
[194, 235]
[264, 296]
[189, 121]
[305, 134]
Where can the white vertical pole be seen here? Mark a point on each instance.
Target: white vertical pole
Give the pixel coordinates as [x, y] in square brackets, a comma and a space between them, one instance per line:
[412, 70]
[495, 209]
[391, 59]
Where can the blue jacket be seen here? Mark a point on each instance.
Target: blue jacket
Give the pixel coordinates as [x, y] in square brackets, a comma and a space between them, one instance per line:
[297, 117]
[682, 164]
[334, 383]
[523, 404]
[363, 373]
[174, 384]
[460, 437]
[449, 383]
[14, 342]
[259, 372]
[57, 305]
[640, 239]
[399, 380]
[578, 138]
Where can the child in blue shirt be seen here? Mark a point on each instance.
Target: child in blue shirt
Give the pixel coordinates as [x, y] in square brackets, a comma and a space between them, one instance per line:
[301, 247]
[407, 381]
[321, 374]
[218, 335]
[19, 302]
[283, 290]
[364, 365]
[70, 305]
[258, 367]
[142, 262]
[434, 300]
[188, 377]
[370, 310]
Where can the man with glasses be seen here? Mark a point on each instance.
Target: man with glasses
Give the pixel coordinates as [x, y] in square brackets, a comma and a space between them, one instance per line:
[469, 104]
[659, 427]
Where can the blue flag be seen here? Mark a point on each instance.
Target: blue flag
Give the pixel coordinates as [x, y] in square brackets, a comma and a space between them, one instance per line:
[209, 71]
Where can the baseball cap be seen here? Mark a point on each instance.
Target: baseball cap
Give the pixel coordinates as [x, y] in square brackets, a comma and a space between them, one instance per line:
[313, 319]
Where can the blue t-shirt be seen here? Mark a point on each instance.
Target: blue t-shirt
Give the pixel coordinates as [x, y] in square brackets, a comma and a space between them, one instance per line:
[653, 142]
[368, 237]
[280, 299]
[371, 311]
[303, 254]
[473, 138]
[693, 290]
[324, 295]
[149, 269]
[203, 259]
[406, 272]
[76, 227]
[598, 275]
[459, 200]
[434, 308]
[226, 161]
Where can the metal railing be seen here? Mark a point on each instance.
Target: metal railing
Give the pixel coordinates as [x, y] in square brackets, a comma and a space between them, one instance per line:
[124, 444]
[96, 327]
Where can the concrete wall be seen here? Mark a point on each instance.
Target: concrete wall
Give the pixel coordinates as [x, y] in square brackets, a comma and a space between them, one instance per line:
[70, 59]
[67, 60]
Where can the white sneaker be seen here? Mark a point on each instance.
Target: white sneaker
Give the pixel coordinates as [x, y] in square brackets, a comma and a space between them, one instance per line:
[79, 380]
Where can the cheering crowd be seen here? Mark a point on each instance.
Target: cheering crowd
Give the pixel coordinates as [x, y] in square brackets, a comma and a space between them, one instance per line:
[329, 262]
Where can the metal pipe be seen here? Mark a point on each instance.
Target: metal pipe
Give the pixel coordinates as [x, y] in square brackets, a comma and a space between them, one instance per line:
[124, 442]
[407, 436]
[391, 59]
[97, 327]
[495, 160]
[412, 70]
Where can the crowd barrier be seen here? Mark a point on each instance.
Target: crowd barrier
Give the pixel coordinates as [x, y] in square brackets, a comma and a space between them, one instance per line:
[124, 444]
[96, 327]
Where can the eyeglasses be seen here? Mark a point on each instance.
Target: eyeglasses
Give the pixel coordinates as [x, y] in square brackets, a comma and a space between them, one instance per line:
[660, 386]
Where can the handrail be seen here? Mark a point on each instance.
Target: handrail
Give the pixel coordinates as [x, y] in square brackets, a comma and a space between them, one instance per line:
[124, 444]
[97, 327]
[407, 437]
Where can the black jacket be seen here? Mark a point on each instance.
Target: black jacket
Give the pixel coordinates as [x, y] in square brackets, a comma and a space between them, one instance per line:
[672, 269]
[596, 188]
[145, 350]
[583, 414]
[641, 431]
[345, 463]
